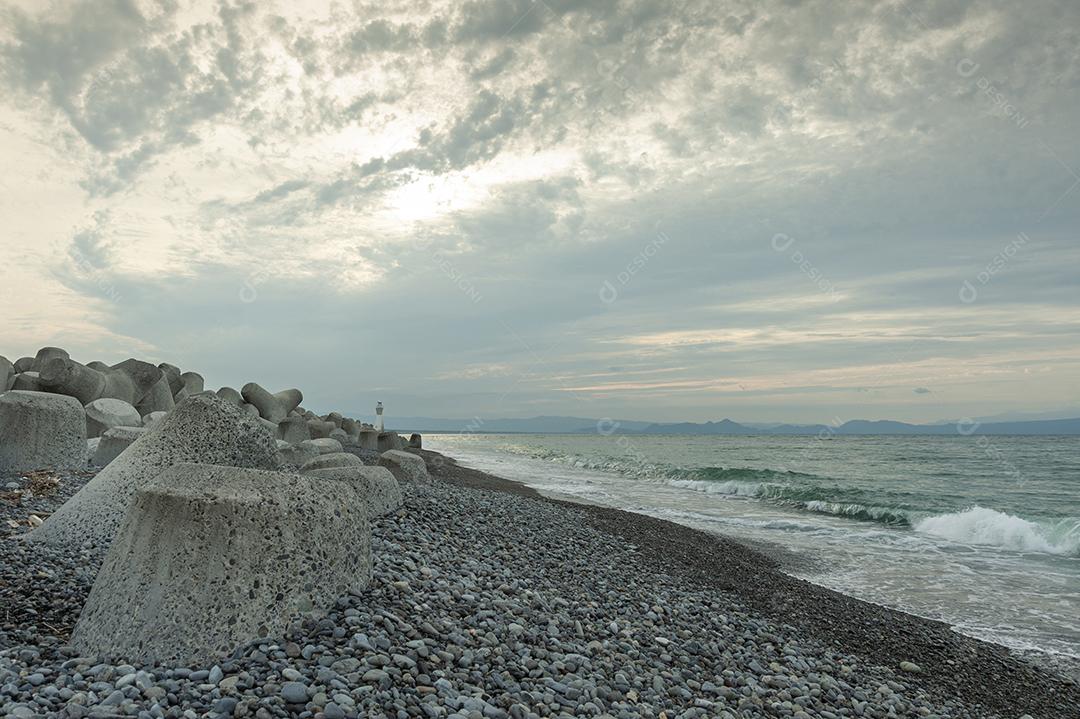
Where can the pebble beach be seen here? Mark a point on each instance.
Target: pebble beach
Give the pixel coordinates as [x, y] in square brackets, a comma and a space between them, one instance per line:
[489, 601]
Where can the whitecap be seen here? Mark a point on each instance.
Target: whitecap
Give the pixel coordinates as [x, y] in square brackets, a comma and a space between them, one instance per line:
[981, 525]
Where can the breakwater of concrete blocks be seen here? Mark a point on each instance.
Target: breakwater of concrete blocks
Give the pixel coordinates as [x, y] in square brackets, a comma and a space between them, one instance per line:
[192, 490]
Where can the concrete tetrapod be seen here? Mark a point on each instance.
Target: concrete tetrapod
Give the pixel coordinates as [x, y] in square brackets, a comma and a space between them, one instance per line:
[47, 353]
[193, 385]
[27, 382]
[158, 398]
[61, 375]
[290, 399]
[297, 455]
[293, 430]
[193, 382]
[405, 466]
[66, 376]
[320, 429]
[153, 418]
[231, 395]
[369, 439]
[377, 485]
[39, 430]
[203, 428]
[270, 406]
[113, 443]
[7, 373]
[323, 445]
[142, 374]
[389, 441]
[333, 459]
[91, 448]
[172, 376]
[105, 413]
[210, 557]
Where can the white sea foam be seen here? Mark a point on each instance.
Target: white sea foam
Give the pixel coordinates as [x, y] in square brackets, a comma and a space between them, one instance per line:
[980, 525]
[731, 487]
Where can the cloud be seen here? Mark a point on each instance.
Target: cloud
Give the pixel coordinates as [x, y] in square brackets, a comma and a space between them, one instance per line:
[371, 170]
[495, 65]
[90, 246]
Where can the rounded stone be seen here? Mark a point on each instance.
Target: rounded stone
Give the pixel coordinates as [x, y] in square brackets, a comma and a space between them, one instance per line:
[294, 693]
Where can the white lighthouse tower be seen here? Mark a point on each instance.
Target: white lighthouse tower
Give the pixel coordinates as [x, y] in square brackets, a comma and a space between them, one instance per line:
[378, 416]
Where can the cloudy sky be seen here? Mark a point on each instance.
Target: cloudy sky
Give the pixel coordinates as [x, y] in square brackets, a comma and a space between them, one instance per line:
[773, 210]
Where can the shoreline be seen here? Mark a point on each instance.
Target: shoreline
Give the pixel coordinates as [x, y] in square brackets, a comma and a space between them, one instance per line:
[490, 601]
[953, 665]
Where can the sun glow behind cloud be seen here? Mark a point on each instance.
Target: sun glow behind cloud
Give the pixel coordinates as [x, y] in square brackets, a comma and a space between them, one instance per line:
[474, 173]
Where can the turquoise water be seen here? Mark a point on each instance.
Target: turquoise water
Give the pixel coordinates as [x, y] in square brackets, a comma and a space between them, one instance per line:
[981, 532]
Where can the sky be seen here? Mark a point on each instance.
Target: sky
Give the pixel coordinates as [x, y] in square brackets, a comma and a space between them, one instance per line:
[769, 211]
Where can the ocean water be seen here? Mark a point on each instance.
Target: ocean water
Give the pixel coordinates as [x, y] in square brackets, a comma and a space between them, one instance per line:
[979, 532]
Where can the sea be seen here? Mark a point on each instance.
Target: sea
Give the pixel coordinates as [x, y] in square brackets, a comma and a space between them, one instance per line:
[981, 532]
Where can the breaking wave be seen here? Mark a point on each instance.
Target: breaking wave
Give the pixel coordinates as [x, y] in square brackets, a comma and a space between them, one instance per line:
[820, 500]
[825, 495]
[980, 525]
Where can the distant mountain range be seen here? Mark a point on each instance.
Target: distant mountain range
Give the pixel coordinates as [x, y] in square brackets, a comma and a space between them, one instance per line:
[581, 425]
[864, 427]
[531, 425]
